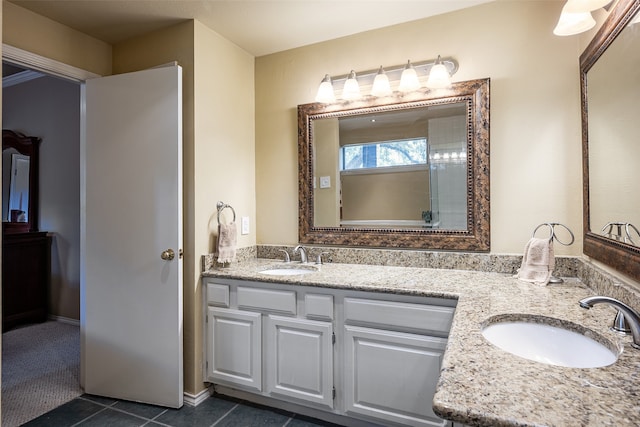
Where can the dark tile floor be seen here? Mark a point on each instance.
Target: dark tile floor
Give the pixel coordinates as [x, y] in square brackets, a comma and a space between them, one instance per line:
[88, 410]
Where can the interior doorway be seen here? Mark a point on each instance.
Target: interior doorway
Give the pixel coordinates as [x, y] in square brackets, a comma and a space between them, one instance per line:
[39, 104]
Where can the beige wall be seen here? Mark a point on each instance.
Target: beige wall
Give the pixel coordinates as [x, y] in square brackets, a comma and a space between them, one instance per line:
[224, 156]
[326, 201]
[386, 195]
[34, 33]
[535, 111]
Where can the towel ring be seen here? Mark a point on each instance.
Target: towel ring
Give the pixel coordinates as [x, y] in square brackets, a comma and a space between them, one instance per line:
[628, 227]
[608, 229]
[552, 232]
[222, 206]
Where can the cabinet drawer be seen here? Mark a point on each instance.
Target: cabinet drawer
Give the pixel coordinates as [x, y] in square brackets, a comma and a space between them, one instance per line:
[318, 306]
[218, 294]
[428, 319]
[266, 299]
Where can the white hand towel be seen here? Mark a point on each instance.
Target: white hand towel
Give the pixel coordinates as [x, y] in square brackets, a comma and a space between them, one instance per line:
[537, 262]
[227, 235]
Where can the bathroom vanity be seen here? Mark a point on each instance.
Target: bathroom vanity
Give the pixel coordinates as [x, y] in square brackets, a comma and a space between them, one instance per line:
[369, 356]
[269, 339]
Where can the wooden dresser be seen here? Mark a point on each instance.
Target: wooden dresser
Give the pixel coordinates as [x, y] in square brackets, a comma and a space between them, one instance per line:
[26, 274]
[26, 251]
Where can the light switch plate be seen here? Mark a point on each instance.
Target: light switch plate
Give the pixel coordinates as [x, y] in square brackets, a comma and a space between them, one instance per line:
[325, 182]
[245, 225]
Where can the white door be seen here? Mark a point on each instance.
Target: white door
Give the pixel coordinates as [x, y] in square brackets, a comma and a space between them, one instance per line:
[131, 186]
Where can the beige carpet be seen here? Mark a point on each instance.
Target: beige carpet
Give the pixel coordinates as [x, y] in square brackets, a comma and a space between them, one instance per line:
[40, 370]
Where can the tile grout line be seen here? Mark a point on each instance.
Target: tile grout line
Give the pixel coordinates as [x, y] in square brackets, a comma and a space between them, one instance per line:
[104, 408]
[225, 415]
[157, 422]
[112, 406]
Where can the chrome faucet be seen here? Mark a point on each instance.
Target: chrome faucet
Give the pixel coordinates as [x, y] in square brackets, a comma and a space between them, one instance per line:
[631, 316]
[303, 253]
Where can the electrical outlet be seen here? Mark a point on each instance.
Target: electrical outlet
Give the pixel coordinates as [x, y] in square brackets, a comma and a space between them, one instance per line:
[245, 225]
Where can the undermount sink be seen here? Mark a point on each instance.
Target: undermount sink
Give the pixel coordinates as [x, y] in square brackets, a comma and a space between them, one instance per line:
[288, 270]
[544, 343]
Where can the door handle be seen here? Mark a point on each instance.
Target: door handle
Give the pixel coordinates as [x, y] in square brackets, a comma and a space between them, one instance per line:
[168, 255]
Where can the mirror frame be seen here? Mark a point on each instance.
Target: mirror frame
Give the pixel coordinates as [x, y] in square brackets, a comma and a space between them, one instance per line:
[621, 256]
[475, 93]
[27, 145]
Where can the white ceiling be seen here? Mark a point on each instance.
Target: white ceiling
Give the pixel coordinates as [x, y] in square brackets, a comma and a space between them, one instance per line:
[260, 27]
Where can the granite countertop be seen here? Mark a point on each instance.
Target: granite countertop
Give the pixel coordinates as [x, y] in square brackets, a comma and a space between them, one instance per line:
[481, 385]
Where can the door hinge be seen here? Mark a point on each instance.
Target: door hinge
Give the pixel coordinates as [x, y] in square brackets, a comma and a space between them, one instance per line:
[333, 337]
[333, 393]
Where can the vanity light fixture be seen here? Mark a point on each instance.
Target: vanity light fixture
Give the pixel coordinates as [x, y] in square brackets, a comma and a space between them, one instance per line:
[576, 16]
[378, 82]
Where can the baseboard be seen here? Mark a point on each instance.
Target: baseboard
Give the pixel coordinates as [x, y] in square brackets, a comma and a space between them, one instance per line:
[63, 319]
[195, 399]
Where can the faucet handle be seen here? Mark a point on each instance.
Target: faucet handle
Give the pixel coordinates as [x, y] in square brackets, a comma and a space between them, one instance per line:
[286, 255]
[319, 258]
[620, 324]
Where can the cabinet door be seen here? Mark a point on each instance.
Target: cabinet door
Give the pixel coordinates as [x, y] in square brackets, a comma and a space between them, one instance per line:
[299, 359]
[392, 375]
[234, 348]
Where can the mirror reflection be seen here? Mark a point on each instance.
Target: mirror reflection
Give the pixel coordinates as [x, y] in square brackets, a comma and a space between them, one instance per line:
[15, 186]
[20, 160]
[614, 148]
[400, 169]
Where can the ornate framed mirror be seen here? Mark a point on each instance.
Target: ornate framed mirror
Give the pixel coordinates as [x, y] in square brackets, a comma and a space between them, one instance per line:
[20, 164]
[610, 89]
[402, 171]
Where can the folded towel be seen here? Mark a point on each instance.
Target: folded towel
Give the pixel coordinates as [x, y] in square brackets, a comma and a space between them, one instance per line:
[227, 234]
[537, 262]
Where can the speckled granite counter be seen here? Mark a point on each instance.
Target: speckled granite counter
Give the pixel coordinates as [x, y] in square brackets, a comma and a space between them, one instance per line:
[481, 385]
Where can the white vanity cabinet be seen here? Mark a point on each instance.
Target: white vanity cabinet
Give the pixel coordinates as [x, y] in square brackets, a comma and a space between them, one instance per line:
[256, 341]
[350, 357]
[392, 364]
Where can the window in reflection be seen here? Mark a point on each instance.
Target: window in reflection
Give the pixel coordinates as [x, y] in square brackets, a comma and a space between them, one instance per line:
[383, 154]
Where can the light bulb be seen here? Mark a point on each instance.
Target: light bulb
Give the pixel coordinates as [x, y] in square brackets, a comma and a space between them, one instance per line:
[573, 23]
[325, 91]
[438, 76]
[381, 85]
[409, 79]
[351, 88]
